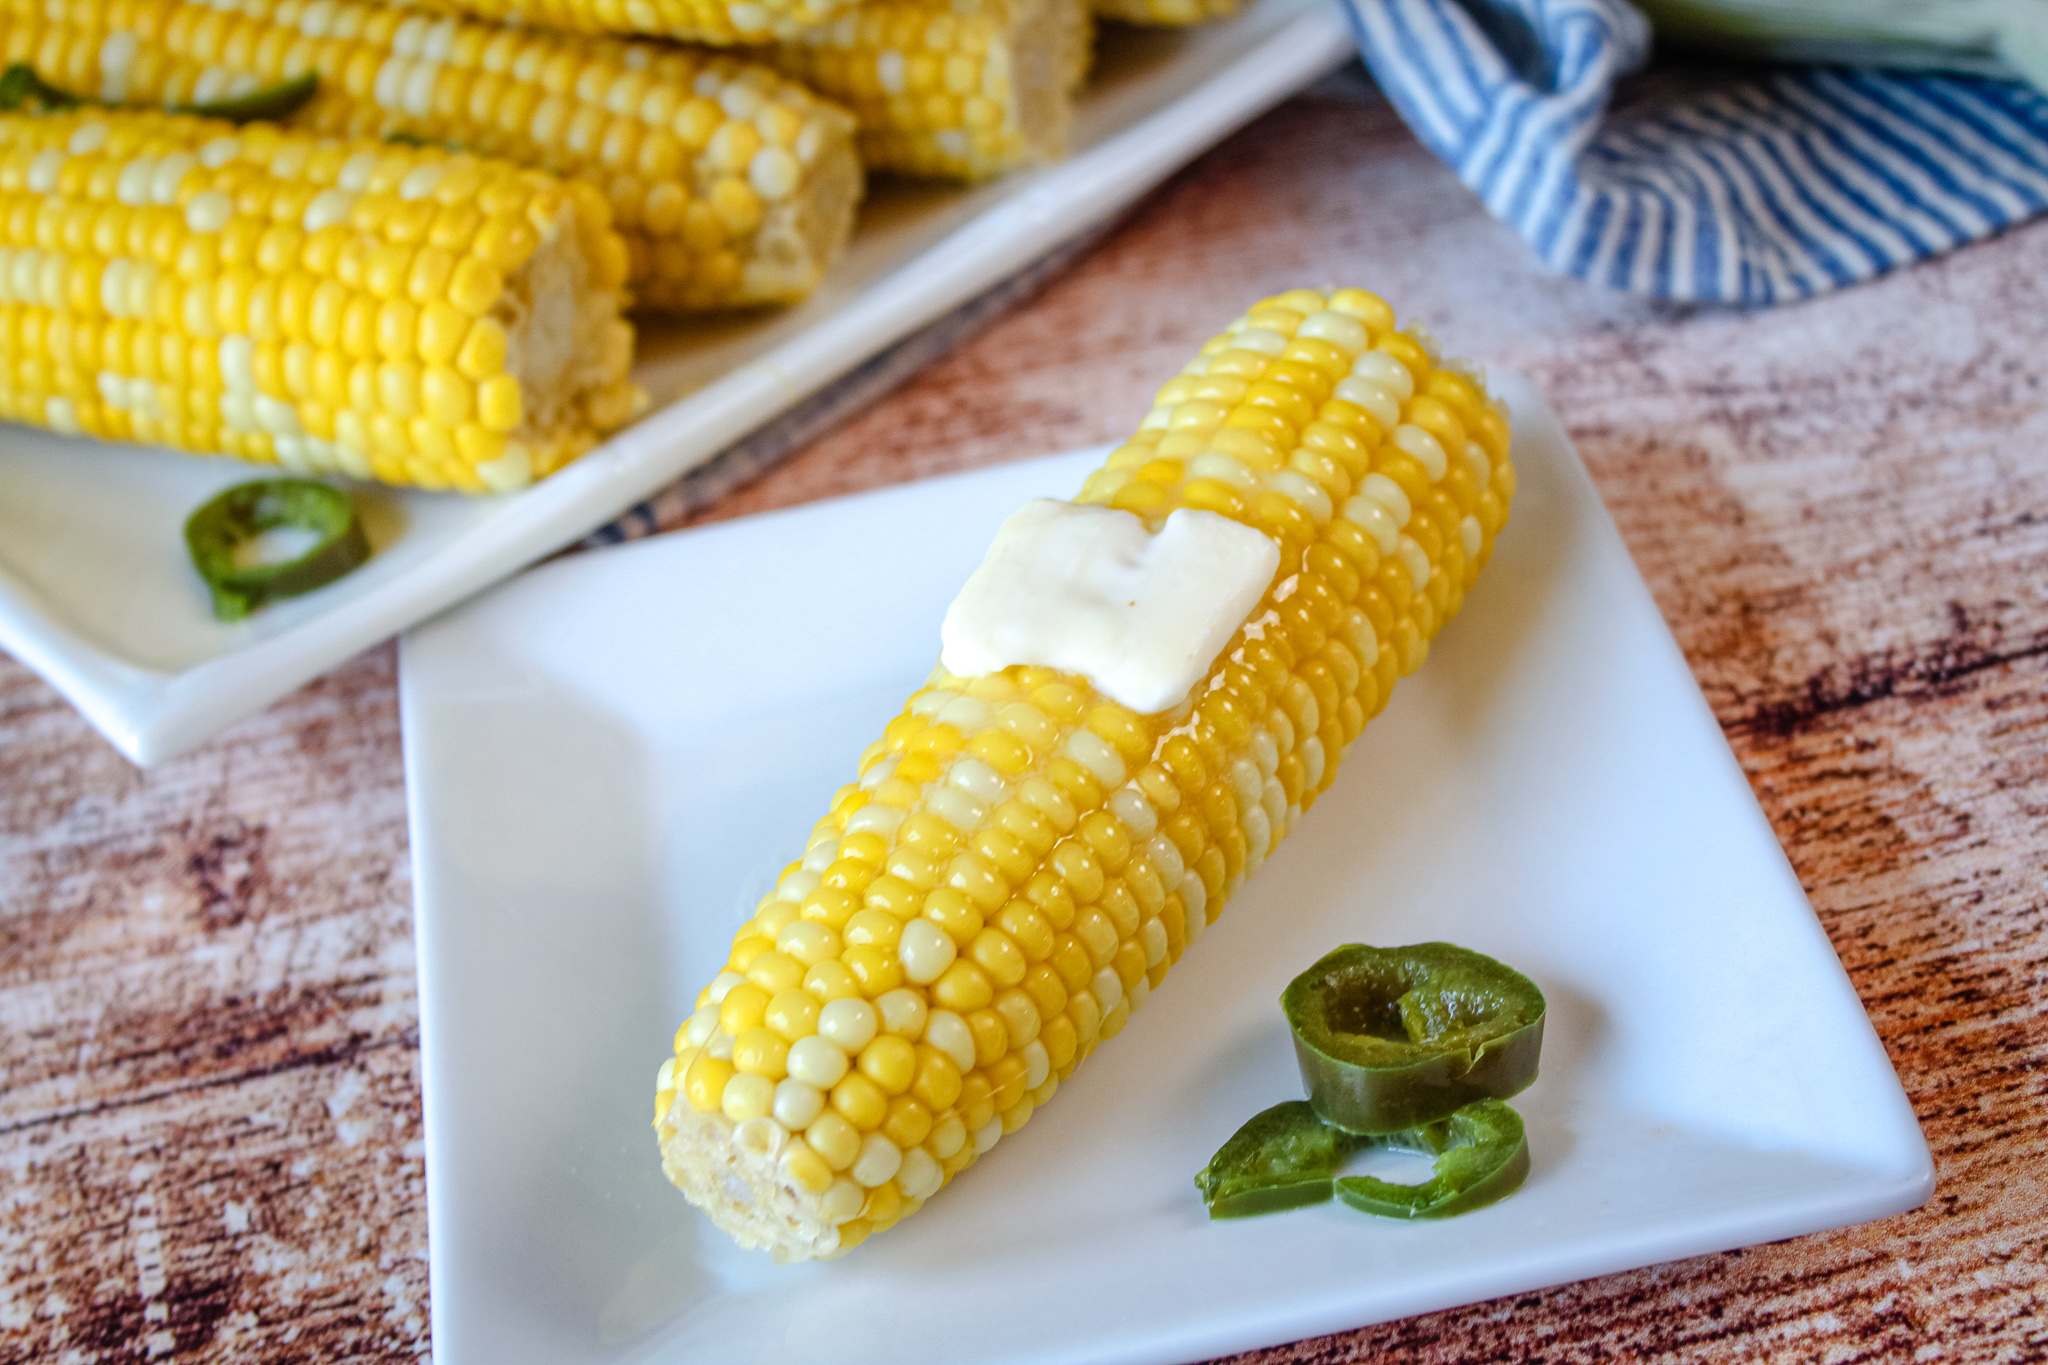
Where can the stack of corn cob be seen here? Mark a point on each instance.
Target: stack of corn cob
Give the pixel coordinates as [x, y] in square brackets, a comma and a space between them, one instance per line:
[1022, 860]
[532, 183]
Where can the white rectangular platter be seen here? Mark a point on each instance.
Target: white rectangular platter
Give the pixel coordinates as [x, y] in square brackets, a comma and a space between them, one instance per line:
[609, 759]
[96, 593]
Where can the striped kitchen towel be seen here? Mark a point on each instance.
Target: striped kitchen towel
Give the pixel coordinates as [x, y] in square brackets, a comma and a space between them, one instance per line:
[1781, 186]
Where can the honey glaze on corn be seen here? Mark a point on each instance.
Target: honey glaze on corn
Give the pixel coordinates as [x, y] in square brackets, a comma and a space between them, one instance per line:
[1022, 860]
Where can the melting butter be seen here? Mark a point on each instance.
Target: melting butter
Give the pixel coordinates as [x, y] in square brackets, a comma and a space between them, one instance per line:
[1089, 590]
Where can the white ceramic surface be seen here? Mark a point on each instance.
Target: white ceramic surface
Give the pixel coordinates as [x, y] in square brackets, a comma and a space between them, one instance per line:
[609, 758]
[95, 590]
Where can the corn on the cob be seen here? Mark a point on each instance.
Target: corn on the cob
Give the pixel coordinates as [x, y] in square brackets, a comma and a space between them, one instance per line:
[720, 23]
[729, 185]
[387, 312]
[961, 90]
[1021, 860]
[1165, 13]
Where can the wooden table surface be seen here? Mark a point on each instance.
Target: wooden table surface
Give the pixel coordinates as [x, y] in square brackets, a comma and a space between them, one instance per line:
[209, 1083]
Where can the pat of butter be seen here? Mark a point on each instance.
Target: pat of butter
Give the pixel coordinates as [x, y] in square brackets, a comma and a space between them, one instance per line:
[1089, 590]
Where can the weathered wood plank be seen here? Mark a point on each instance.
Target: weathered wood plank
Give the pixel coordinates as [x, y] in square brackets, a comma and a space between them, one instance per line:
[208, 1100]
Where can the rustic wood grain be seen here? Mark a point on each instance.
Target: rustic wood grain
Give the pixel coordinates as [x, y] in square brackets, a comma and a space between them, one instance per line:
[209, 1115]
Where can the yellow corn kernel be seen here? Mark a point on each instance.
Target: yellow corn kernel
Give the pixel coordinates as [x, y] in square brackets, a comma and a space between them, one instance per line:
[482, 352]
[475, 286]
[704, 1083]
[498, 403]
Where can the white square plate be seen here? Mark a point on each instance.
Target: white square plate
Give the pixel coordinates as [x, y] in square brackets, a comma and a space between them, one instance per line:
[96, 593]
[609, 758]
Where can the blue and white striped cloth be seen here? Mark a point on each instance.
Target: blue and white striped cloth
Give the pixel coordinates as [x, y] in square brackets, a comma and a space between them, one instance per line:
[1780, 187]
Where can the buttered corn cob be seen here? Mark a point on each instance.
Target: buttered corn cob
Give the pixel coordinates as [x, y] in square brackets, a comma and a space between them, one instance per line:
[961, 90]
[387, 312]
[1165, 13]
[1022, 860]
[729, 185]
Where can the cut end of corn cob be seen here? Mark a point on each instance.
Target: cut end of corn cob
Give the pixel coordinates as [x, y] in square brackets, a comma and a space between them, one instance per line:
[729, 186]
[1022, 860]
[402, 314]
[959, 91]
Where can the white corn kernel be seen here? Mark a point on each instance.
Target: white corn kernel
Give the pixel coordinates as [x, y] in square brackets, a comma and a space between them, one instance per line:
[1248, 781]
[1265, 753]
[1264, 340]
[1225, 469]
[1108, 988]
[796, 1104]
[978, 780]
[1471, 537]
[665, 1078]
[1372, 517]
[949, 1033]
[920, 1176]
[798, 884]
[1389, 373]
[329, 207]
[842, 1201]
[903, 1012]
[817, 1062]
[42, 172]
[956, 808]
[1097, 755]
[1411, 555]
[701, 1026]
[209, 212]
[1152, 938]
[1130, 806]
[1037, 1064]
[1165, 856]
[1387, 494]
[926, 951]
[878, 1162]
[851, 1023]
[1140, 993]
[132, 186]
[1374, 398]
[1195, 896]
[871, 819]
[1258, 837]
[1339, 329]
[747, 1096]
[420, 182]
[1312, 761]
[1305, 492]
[1476, 460]
[723, 983]
[1426, 449]
[968, 715]
[170, 173]
[719, 1045]
[222, 150]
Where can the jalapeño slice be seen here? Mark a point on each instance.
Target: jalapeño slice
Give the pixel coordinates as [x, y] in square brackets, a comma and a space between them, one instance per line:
[1390, 1039]
[242, 513]
[1482, 1155]
[1283, 1158]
